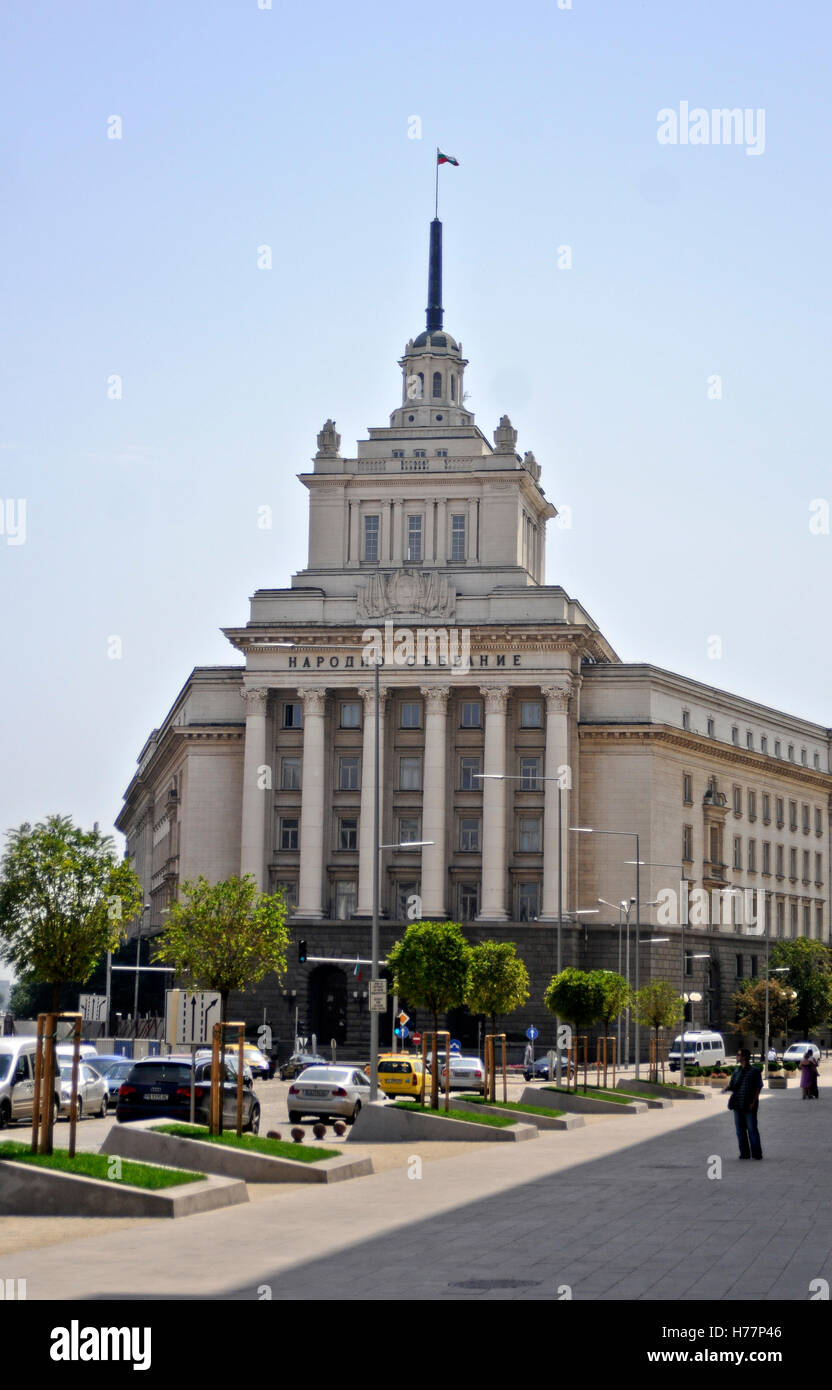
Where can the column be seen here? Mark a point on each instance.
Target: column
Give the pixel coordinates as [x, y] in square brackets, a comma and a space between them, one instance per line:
[493, 903]
[434, 796]
[364, 907]
[312, 805]
[355, 534]
[397, 544]
[257, 787]
[557, 767]
[441, 531]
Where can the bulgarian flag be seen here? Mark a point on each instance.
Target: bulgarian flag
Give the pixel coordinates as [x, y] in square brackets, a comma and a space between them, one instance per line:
[445, 158]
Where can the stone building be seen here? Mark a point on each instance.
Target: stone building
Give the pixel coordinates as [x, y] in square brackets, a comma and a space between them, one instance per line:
[505, 717]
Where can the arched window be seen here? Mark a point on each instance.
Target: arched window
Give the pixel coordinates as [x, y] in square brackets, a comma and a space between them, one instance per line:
[437, 385]
[453, 388]
[421, 376]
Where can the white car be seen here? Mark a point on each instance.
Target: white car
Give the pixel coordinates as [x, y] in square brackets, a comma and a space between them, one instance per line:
[798, 1051]
[93, 1093]
[467, 1074]
[327, 1091]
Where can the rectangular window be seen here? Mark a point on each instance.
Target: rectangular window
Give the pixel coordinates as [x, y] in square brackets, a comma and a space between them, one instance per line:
[398, 453]
[685, 718]
[766, 807]
[818, 868]
[739, 967]
[457, 539]
[414, 539]
[763, 744]
[528, 901]
[371, 535]
[420, 453]
[351, 714]
[290, 892]
[711, 728]
[737, 801]
[346, 893]
[754, 962]
[777, 748]
[441, 453]
[781, 919]
[749, 739]
[792, 815]
[818, 821]
[406, 894]
[735, 735]
[804, 812]
[687, 789]
[752, 805]
[348, 832]
[687, 843]
[469, 835]
[348, 774]
[530, 714]
[804, 757]
[292, 716]
[805, 866]
[778, 861]
[819, 922]
[529, 834]
[792, 919]
[289, 832]
[469, 779]
[469, 901]
[791, 752]
[411, 714]
[752, 856]
[290, 774]
[529, 774]
[807, 920]
[409, 829]
[410, 774]
[778, 808]
[737, 852]
[470, 714]
[816, 761]
[766, 857]
[793, 863]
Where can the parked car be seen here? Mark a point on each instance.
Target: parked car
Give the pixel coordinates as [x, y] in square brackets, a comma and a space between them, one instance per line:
[17, 1080]
[467, 1074]
[254, 1058]
[702, 1049]
[298, 1062]
[400, 1074]
[114, 1069]
[160, 1088]
[539, 1070]
[328, 1091]
[92, 1096]
[797, 1051]
[86, 1050]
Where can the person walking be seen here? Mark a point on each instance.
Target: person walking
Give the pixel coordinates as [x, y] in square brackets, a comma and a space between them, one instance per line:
[809, 1077]
[744, 1099]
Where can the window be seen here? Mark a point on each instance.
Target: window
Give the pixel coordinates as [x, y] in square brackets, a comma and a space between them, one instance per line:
[781, 919]
[409, 829]
[410, 774]
[348, 774]
[735, 735]
[348, 832]
[414, 539]
[469, 778]
[687, 789]
[766, 807]
[290, 774]
[754, 966]
[752, 856]
[778, 861]
[766, 857]
[737, 801]
[420, 453]
[792, 919]
[441, 453]
[406, 892]
[819, 922]
[777, 748]
[346, 893]
[529, 774]
[453, 387]
[290, 892]
[351, 714]
[685, 718]
[470, 714]
[805, 866]
[687, 843]
[289, 832]
[804, 813]
[791, 752]
[737, 852]
[529, 834]
[816, 761]
[457, 539]
[528, 901]
[752, 805]
[371, 534]
[398, 453]
[469, 901]
[793, 864]
[749, 739]
[792, 815]
[778, 808]
[530, 714]
[739, 967]
[292, 716]
[807, 920]
[804, 757]
[411, 714]
[437, 385]
[711, 729]
[469, 835]
[763, 744]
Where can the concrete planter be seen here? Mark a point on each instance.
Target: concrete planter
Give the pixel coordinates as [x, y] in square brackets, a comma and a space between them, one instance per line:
[776, 1082]
[539, 1121]
[659, 1092]
[26, 1190]
[140, 1141]
[386, 1124]
[587, 1105]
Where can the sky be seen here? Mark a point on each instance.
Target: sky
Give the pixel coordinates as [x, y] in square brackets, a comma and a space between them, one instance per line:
[652, 315]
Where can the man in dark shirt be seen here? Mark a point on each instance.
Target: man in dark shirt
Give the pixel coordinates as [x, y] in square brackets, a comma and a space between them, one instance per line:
[744, 1088]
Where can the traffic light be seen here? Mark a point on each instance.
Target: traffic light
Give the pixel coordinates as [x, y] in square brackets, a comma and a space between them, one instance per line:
[302, 952]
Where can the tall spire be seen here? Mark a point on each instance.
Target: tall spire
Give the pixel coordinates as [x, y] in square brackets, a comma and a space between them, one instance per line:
[435, 312]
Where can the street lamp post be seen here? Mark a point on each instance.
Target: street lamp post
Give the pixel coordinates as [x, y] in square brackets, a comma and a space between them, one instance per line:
[623, 909]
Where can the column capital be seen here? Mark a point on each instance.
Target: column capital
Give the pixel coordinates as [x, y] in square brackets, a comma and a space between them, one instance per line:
[558, 695]
[496, 697]
[368, 695]
[256, 697]
[436, 697]
[314, 699]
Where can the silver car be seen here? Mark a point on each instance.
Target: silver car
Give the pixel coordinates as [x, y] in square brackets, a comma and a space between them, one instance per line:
[467, 1074]
[93, 1092]
[326, 1091]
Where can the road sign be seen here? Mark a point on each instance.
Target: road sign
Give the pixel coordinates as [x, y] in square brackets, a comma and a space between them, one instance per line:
[404, 1031]
[531, 1033]
[417, 1039]
[455, 1045]
[378, 996]
[190, 1017]
[404, 1018]
[92, 1007]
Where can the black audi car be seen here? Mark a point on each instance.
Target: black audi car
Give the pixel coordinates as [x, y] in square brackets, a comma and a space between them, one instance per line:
[160, 1088]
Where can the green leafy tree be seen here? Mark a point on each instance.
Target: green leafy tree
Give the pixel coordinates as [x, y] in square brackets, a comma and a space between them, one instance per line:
[658, 1005]
[576, 996]
[750, 1003]
[616, 996]
[23, 999]
[430, 969]
[65, 899]
[498, 981]
[810, 976]
[225, 936]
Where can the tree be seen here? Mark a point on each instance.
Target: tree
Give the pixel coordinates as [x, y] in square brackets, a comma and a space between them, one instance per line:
[658, 1004]
[615, 993]
[750, 1002]
[498, 981]
[577, 996]
[225, 936]
[65, 899]
[23, 999]
[810, 976]
[430, 969]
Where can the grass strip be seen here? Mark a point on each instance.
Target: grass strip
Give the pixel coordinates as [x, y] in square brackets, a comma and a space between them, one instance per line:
[515, 1105]
[252, 1143]
[594, 1093]
[498, 1121]
[145, 1175]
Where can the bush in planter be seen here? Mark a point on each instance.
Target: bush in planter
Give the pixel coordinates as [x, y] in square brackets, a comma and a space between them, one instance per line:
[774, 1066]
[693, 1071]
[706, 1071]
[787, 1066]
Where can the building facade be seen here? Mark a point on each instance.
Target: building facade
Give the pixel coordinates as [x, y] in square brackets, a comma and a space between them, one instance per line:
[508, 729]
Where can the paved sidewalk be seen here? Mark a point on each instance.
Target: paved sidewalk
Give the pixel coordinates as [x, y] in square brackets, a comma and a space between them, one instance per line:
[623, 1209]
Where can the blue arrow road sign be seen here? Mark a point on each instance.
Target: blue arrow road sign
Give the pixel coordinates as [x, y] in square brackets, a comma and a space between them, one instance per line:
[456, 1045]
[531, 1033]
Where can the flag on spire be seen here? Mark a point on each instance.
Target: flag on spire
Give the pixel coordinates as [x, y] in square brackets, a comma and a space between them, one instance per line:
[446, 158]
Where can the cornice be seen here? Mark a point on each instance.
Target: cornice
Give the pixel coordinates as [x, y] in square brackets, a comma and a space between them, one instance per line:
[700, 744]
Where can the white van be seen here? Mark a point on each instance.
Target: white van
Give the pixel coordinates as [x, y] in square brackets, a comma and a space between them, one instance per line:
[702, 1049]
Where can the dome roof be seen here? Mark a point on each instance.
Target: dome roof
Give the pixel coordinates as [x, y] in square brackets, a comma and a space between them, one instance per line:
[436, 339]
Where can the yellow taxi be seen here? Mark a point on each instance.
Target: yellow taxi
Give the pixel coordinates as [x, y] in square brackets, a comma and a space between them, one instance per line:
[400, 1074]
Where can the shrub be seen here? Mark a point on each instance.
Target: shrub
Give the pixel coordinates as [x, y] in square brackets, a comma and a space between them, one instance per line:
[693, 1071]
[774, 1066]
[788, 1066]
[706, 1071]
